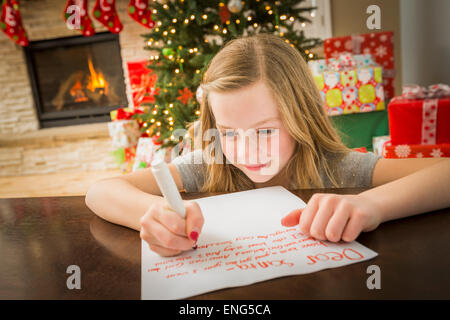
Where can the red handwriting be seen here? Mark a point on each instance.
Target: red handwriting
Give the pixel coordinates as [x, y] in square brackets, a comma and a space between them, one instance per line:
[252, 253]
[348, 253]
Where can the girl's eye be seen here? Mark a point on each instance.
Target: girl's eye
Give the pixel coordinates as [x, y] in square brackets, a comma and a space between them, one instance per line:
[229, 134]
[266, 132]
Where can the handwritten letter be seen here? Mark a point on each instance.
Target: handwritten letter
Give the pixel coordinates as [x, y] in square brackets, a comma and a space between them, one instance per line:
[243, 242]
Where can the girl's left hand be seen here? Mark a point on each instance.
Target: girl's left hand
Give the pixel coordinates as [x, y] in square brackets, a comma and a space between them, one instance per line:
[334, 217]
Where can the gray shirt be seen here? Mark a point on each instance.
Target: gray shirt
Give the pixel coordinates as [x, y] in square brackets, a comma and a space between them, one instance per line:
[356, 170]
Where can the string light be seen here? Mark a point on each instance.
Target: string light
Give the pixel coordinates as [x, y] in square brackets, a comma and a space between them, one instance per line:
[166, 111]
[303, 24]
[283, 17]
[152, 120]
[171, 105]
[204, 17]
[158, 124]
[165, 33]
[224, 31]
[197, 71]
[173, 30]
[186, 21]
[216, 27]
[291, 19]
[249, 18]
[165, 6]
[174, 20]
[270, 12]
[197, 112]
[192, 17]
[177, 70]
[238, 21]
[155, 11]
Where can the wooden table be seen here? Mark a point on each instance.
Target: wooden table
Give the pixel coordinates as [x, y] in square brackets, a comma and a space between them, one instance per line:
[41, 237]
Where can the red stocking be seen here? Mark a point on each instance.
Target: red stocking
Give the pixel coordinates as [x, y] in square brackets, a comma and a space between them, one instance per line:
[141, 12]
[105, 12]
[11, 23]
[70, 16]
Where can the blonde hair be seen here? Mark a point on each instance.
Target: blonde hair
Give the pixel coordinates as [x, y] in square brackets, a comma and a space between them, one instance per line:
[246, 60]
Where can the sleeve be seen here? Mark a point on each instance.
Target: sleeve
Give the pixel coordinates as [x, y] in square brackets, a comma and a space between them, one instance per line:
[356, 169]
[191, 168]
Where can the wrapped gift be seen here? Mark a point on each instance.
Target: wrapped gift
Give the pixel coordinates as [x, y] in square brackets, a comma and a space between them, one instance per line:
[126, 113]
[124, 133]
[349, 84]
[142, 82]
[420, 116]
[416, 150]
[378, 144]
[124, 157]
[147, 149]
[356, 130]
[380, 45]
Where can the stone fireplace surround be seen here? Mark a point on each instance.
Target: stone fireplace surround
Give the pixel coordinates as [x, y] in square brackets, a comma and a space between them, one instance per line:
[24, 148]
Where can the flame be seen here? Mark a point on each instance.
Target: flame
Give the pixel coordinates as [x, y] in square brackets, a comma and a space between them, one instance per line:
[96, 79]
[77, 92]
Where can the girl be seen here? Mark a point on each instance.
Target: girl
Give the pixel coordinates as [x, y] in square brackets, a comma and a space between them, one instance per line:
[261, 84]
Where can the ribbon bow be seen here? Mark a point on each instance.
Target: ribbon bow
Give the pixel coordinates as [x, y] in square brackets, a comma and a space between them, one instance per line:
[435, 91]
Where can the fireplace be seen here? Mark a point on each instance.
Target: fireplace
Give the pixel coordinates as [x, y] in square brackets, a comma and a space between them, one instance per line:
[76, 80]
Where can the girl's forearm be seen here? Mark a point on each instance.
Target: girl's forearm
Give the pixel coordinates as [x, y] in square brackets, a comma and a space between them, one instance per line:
[422, 191]
[119, 202]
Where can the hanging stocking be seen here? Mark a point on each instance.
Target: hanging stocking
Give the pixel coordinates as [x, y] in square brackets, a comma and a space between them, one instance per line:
[83, 22]
[141, 12]
[11, 23]
[105, 12]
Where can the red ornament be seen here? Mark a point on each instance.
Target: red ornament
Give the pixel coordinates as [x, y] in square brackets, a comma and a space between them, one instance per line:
[105, 12]
[140, 11]
[186, 94]
[224, 14]
[11, 23]
[76, 17]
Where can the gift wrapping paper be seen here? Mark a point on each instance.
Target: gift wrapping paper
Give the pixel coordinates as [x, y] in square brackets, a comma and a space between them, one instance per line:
[379, 44]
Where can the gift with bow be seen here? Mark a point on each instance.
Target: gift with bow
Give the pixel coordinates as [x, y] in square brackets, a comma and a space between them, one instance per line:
[420, 115]
[349, 84]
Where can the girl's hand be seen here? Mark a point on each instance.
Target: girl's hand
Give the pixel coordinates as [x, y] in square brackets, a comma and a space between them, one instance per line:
[167, 233]
[334, 217]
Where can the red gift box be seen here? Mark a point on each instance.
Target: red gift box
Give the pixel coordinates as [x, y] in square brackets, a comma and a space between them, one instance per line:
[142, 82]
[420, 116]
[416, 150]
[379, 44]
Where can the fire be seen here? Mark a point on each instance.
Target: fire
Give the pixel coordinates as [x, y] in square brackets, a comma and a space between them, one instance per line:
[96, 83]
[96, 80]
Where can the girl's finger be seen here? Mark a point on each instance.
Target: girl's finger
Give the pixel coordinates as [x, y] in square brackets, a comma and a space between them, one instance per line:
[167, 239]
[320, 222]
[171, 220]
[293, 218]
[308, 214]
[164, 252]
[194, 220]
[352, 229]
[337, 223]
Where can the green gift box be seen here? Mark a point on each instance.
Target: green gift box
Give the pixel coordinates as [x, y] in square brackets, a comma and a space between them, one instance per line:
[357, 129]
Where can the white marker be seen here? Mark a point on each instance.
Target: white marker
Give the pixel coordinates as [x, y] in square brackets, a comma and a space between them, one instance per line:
[167, 186]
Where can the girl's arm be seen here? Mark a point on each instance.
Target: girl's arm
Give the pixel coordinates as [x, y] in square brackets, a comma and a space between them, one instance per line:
[410, 186]
[403, 187]
[125, 199]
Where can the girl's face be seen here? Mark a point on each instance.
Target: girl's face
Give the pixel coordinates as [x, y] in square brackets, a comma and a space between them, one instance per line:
[252, 135]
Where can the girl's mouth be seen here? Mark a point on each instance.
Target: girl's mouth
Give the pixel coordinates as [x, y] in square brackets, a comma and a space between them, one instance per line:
[256, 167]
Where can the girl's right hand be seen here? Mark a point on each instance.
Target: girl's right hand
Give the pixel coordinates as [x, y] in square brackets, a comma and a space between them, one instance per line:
[167, 233]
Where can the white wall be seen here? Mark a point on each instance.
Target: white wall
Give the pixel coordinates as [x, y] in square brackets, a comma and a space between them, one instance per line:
[425, 41]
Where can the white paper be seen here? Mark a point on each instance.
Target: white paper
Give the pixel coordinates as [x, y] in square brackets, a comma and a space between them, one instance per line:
[243, 242]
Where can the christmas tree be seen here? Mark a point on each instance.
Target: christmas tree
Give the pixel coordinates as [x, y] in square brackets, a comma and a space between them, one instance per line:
[186, 36]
